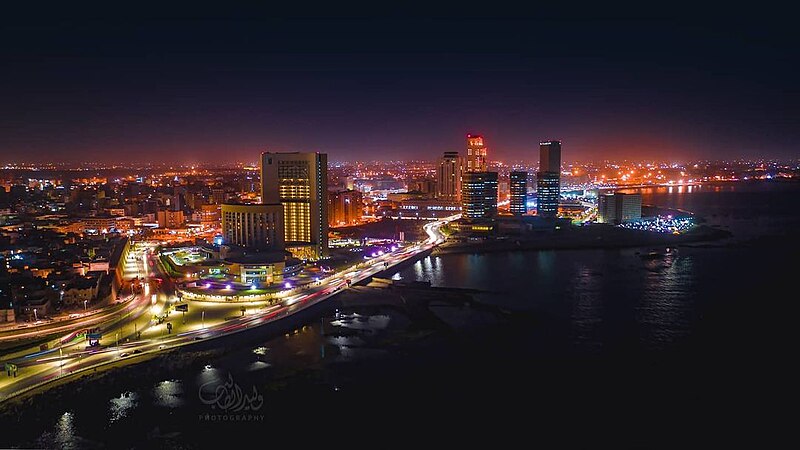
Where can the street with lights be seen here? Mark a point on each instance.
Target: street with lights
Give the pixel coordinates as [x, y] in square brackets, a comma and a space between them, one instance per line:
[129, 330]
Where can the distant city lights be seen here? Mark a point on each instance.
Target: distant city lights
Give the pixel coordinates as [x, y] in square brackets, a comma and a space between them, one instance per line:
[662, 224]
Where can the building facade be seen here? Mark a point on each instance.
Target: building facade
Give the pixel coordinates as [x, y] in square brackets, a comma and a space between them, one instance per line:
[345, 208]
[448, 177]
[209, 215]
[479, 195]
[476, 154]
[299, 181]
[518, 192]
[548, 179]
[218, 196]
[616, 208]
[257, 226]
[167, 218]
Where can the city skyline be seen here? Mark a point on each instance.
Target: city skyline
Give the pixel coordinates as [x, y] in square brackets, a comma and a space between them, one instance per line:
[223, 223]
[123, 91]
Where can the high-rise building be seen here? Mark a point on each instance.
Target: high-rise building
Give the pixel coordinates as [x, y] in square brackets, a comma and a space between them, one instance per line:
[476, 154]
[345, 208]
[178, 198]
[255, 226]
[448, 177]
[299, 182]
[548, 179]
[479, 195]
[518, 188]
[616, 208]
[550, 156]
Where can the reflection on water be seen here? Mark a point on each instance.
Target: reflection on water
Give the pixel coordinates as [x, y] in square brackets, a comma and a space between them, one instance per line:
[64, 435]
[349, 354]
[346, 341]
[610, 297]
[65, 431]
[258, 365]
[667, 303]
[369, 324]
[586, 316]
[596, 302]
[169, 394]
[122, 405]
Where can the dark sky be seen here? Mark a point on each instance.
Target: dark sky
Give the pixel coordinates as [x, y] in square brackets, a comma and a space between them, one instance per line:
[207, 88]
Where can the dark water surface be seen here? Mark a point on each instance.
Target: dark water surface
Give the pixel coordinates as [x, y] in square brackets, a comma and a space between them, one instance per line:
[689, 349]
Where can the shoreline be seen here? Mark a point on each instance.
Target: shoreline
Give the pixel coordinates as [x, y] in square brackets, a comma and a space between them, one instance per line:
[38, 408]
[586, 239]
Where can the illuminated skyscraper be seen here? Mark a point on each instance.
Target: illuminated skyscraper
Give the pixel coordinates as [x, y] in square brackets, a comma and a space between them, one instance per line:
[518, 189]
[479, 195]
[476, 154]
[299, 182]
[548, 179]
[254, 226]
[448, 177]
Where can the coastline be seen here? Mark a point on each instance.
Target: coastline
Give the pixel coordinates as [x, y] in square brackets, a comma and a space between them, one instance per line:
[430, 316]
[582, 238]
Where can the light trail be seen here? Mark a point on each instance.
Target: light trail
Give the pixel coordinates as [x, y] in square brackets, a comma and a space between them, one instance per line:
[43, 369]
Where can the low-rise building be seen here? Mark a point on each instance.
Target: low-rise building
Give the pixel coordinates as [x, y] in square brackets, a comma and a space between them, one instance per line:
[427, 209]
[79, 290]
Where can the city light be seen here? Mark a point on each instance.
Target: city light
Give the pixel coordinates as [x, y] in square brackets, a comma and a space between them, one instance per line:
[410, 175]
[665, 224]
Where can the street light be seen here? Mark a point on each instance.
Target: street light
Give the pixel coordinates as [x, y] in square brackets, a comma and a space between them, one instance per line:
[61, 362]
[35, 316]
[84, 304]
[203, 319]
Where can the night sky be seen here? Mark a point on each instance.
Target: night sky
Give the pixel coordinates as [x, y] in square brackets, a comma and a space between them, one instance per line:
[207, 88]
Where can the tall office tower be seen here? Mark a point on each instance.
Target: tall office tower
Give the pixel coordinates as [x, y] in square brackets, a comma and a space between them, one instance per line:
[548, 179]
[617, 208]
[299, 181]
[518, 188]
[476, 154]
[479, 195]
[255, 226]
[448, 177]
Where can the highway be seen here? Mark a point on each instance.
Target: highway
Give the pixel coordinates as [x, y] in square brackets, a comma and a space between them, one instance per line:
[202, 321]
[134, 305]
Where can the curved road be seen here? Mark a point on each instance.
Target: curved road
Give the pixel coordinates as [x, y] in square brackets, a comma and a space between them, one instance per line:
[41, 367]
